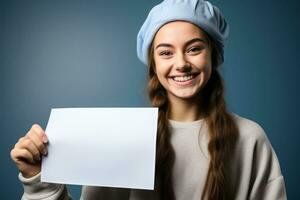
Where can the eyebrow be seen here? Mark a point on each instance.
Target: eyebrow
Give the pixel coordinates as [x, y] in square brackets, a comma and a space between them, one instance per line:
[186, 44]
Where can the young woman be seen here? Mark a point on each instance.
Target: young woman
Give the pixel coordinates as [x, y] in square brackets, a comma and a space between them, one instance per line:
[203, 151]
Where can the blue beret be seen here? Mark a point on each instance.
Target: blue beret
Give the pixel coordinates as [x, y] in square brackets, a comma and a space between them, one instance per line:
[199, 12]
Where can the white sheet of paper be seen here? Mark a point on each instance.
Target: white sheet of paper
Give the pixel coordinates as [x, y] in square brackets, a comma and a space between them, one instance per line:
[112, 147]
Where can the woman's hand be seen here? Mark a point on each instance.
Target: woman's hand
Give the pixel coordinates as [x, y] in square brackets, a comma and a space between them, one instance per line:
[28, 151]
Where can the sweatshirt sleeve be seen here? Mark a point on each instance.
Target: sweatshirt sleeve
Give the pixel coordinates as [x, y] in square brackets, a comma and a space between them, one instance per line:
[34, 189]
[274, 189]
[268, 182]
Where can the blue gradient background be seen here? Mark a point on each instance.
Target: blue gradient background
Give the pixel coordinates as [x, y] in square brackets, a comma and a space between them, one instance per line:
[82, 54]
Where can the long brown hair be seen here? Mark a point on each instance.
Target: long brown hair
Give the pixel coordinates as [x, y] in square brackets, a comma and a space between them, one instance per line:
[221, 126]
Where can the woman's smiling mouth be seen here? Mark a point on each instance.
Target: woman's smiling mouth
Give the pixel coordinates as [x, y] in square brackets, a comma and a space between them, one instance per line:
[184, 80]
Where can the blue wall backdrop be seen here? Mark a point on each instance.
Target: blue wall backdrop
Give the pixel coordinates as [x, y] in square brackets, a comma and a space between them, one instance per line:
[82, 54]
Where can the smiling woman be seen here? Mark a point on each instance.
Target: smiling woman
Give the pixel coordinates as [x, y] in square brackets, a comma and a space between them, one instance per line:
[184, 50]
[203, 151]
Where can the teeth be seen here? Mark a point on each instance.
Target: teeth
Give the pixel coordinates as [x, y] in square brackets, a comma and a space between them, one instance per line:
[183, 78]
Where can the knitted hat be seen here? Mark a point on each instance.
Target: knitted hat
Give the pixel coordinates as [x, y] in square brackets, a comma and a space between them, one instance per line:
[199, 12]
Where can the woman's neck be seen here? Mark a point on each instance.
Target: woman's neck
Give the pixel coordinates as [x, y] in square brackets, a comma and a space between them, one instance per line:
[185, 110]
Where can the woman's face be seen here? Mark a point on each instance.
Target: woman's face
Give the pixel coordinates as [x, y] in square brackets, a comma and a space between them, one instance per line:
[182, 57]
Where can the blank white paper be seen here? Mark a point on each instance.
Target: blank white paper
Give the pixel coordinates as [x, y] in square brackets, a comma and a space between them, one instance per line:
[111, 147]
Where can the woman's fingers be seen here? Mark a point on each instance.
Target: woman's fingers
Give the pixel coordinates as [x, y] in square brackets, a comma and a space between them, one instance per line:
[27, 143]
[35, 144]
[28, 150]
[19, 155]
[37, 139]
[40, 132]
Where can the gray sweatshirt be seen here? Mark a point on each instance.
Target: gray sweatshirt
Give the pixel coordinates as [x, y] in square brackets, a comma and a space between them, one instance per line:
[254, 171]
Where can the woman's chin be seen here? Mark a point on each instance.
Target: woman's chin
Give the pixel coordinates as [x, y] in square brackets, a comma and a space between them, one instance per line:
[184, 95]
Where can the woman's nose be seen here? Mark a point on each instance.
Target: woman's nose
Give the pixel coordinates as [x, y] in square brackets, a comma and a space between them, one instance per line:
[182, 64]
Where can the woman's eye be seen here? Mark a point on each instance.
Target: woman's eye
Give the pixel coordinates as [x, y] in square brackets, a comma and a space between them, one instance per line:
[165, 53]
[195, 49]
